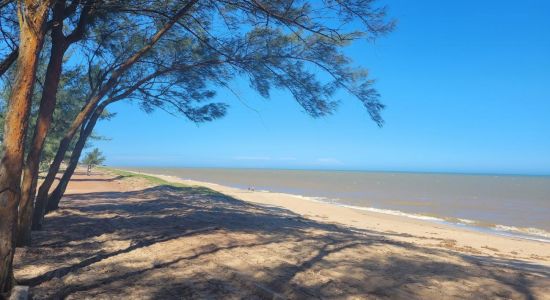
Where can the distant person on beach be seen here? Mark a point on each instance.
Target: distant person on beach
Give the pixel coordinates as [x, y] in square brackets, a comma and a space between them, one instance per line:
[92, 159]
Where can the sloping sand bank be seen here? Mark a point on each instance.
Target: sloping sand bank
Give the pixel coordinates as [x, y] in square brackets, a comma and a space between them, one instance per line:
[125, 238]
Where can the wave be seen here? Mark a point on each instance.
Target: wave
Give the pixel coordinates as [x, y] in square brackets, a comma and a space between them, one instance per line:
[528, 233]
[394, 213]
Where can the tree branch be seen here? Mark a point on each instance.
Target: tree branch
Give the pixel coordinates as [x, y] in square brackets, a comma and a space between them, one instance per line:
[8, 61]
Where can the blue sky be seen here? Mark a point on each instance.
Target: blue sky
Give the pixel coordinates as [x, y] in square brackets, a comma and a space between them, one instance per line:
[467, 89]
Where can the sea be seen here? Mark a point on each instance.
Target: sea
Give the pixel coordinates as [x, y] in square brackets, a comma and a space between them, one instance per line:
[511, 205]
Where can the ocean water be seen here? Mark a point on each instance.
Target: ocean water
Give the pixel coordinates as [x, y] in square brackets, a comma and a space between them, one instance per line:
[502, 204]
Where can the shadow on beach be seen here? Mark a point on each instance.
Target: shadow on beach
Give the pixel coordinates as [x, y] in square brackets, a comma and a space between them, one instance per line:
[165, 242]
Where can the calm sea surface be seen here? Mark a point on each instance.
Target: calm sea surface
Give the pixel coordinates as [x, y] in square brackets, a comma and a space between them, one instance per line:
[503, 204]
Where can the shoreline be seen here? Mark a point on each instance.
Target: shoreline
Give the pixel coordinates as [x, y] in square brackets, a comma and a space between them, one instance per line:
[468, 224]
[434, 232]
[124, 235]
[488, 219]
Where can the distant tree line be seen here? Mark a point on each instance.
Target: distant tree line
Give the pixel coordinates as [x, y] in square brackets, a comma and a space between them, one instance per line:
[63, 62]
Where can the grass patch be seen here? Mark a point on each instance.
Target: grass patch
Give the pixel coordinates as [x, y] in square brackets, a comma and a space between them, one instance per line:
[151, 179]
[161, 182]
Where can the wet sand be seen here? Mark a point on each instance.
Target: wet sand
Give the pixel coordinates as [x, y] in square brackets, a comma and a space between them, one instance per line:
[509, 204]
[126, 238]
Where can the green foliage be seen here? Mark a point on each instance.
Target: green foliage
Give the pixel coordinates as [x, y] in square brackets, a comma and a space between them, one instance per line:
[295, 46]
[161, 182]
[151, 179]
[94, 158]
[72, 95]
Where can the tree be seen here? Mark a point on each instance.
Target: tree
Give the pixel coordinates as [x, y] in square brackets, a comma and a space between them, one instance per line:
[172, 54]
[277, 50]
[92, 159]
[88, 109]
[32, 25]
[70, 98]
[32, 17]
[59, 45]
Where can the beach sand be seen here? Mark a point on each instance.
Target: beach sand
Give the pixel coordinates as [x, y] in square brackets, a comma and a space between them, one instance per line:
[126, 238]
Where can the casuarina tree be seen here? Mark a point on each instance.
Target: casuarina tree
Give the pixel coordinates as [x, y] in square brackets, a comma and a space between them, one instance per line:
[32, 17]
[174, 54]
[92, 159]
[281, 45]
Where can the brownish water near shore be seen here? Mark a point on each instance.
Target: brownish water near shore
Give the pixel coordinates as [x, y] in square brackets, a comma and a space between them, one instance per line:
[502, 203]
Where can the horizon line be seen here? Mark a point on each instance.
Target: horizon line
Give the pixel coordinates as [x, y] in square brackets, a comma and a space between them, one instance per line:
[478, 173]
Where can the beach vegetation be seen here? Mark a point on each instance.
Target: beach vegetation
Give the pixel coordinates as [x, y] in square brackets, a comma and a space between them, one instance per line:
[157, 181]
[154, 180]
[93, 158]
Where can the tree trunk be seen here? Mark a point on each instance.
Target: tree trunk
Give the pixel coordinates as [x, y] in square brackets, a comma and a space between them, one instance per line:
[32, 20]
[45, 112]
[87, 110]
[41, 202]
[57, 194]
[42, 196]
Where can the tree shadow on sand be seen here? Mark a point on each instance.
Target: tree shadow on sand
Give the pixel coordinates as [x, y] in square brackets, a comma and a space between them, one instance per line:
[165, 242]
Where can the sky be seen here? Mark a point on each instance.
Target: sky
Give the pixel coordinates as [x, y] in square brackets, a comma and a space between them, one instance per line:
[467, 89]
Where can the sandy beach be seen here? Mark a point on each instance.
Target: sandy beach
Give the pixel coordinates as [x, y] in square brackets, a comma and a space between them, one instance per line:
[119, 236]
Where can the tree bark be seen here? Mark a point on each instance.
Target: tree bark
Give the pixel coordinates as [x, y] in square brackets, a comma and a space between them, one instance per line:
[32, 20]
[57, 194]
[45, 112]
[42, 196]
